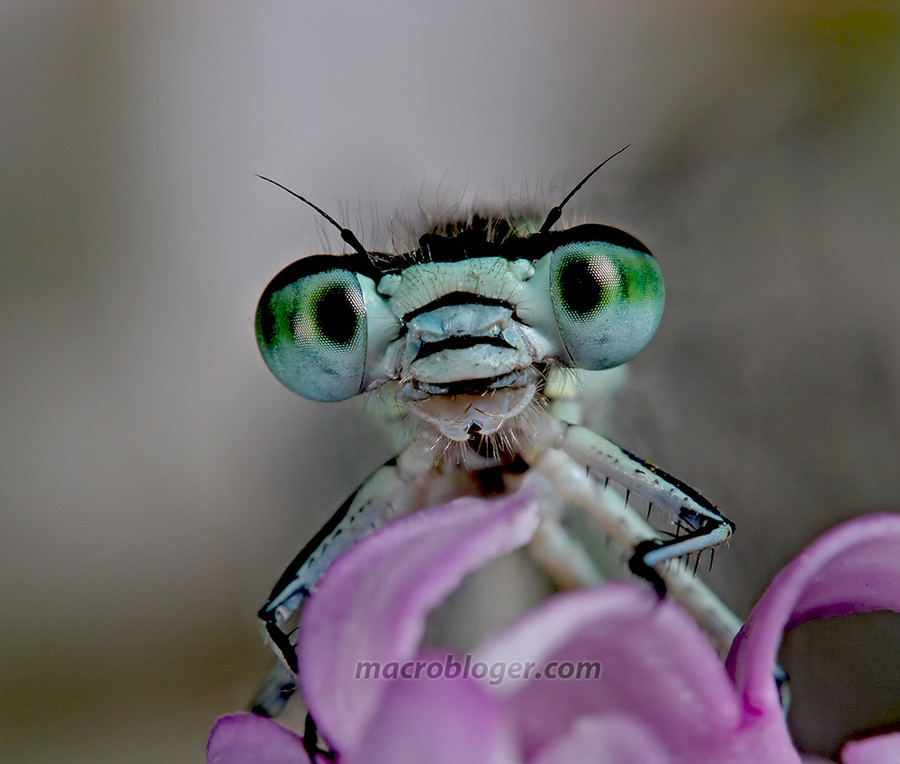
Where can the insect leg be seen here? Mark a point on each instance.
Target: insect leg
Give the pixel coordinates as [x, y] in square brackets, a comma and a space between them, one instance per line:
[562, 557]
[387, 494]
[629, 529]
[276, 691]
[311, 742]
[359, 515]
[707, 526]
[390, 492]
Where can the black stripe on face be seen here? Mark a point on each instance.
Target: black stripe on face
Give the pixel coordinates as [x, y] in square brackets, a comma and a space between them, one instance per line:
[459, 343]
[456, 298]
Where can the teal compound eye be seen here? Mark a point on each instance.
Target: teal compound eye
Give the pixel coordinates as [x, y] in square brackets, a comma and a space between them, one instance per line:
[607, 295]
[311, 329]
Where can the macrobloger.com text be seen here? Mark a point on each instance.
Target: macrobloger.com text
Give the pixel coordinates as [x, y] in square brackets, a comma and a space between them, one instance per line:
[466, 667]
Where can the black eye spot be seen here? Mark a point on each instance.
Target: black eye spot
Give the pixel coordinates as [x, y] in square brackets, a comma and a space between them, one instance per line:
[579, 287]
[336, 315]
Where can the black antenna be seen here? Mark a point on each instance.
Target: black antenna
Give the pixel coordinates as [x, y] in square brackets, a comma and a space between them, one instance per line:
[556, 212]
[346, 234]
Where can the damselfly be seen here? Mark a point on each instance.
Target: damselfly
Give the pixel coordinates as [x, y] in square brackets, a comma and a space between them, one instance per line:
[478, 333]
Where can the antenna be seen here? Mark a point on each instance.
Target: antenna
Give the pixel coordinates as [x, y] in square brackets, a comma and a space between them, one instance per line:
[556, 212]
[346, 234]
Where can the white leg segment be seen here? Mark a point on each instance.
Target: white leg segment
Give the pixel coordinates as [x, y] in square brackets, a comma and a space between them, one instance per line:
[566, 469]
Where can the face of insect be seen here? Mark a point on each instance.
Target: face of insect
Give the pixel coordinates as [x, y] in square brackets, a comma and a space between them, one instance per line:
[467, 324]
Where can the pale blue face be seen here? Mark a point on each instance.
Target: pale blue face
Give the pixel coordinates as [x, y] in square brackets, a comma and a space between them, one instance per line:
[483, 321]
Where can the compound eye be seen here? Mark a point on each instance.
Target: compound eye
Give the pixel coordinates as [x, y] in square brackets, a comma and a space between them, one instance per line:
[311, 329]
[607, 299]
[586, 285]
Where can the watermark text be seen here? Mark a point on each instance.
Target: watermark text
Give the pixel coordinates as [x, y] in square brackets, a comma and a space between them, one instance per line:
[465, 667]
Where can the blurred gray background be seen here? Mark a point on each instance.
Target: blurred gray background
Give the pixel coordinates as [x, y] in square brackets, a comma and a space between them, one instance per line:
[155, 477]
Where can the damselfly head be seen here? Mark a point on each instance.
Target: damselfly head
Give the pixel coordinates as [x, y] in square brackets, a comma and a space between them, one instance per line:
[467, 324]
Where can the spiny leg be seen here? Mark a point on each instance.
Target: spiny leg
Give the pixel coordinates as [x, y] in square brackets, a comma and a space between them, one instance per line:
[573, 482]
[390, 492]
[707, 526]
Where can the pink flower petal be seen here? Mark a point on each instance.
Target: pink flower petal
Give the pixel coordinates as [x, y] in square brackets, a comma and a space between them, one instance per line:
[657, 668]
[243, 738]
[614, 738]
[372, 602]
[883, 749]
[444, 721]
[853, 568]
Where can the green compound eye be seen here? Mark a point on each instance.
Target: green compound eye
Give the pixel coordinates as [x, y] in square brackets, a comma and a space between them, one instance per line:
[311, 329]
[607, 296]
